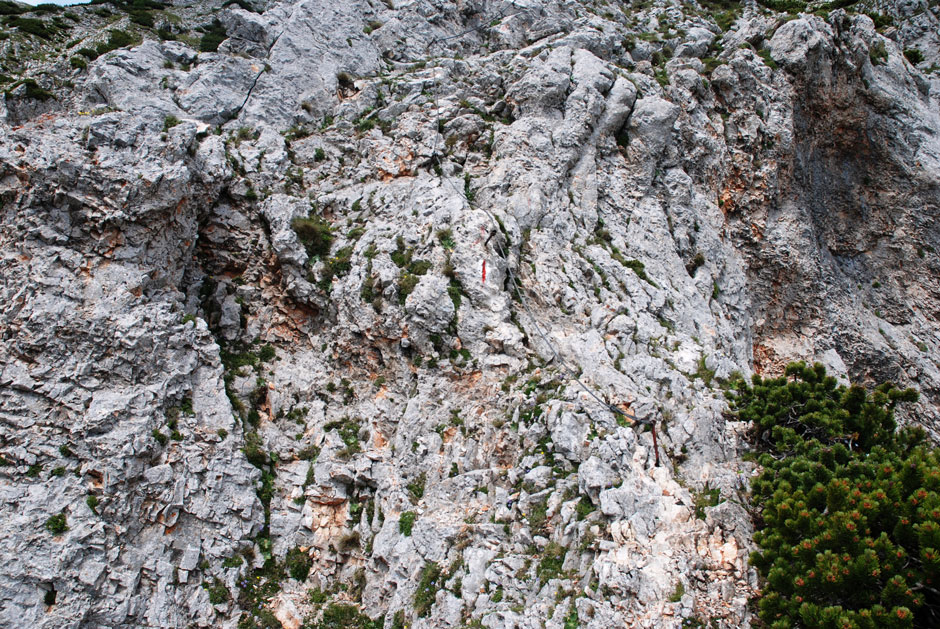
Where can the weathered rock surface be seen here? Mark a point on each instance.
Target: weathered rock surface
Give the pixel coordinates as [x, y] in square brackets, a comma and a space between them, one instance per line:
[517, 214]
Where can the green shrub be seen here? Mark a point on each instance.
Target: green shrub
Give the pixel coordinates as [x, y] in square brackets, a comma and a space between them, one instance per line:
[405, 522]
[406, 285]
[634, 265]
[116, 39]
[46, 7]
[233, 562]
[92, 502]
[768, 59]
[78, 63]
[34, 91]
[169, 122]
[849, 508]
[706, 498]
[881, 20]
[693, 265]
[7, 7]
[57, 524]
[141, 17]
[702, 371]
[446, 238]
[314, 234]
[337, 265]
[914, 56]
[538, 517]
[785, 6]
[214, 34]
[298, 564]
[253, 452]
[34, 470]
[411, 276]
[88, 53]
[32, 26]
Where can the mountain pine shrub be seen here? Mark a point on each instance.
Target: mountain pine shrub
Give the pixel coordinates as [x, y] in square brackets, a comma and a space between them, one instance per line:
[848, 506]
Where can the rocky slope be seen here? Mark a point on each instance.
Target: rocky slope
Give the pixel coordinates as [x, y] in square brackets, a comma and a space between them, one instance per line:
[333, 314]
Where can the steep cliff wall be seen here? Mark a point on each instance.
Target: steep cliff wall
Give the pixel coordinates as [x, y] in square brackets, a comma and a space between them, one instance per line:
[342, 304]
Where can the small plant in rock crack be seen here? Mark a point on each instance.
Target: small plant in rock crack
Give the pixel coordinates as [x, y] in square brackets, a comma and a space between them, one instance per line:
[431, 581]
[405, 522]
[552, 560]
[298, 564]
[348, 431]
[218, 593]
[584, 508]
[416, 487]
[169, 122]
[706, 498]
[57, 524]
[678, 593]
[446, 238]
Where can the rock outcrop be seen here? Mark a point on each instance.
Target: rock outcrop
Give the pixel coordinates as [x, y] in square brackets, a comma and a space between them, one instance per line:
[344, 300]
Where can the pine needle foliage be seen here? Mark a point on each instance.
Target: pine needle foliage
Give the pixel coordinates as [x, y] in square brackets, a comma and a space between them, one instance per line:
[848, 505]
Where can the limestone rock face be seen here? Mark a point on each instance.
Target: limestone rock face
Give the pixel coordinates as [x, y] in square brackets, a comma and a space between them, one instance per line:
[340, 296]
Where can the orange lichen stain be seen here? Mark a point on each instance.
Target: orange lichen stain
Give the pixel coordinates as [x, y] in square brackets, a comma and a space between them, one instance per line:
[756, 231]
[448, 434]
[766, 360]
[468, 381]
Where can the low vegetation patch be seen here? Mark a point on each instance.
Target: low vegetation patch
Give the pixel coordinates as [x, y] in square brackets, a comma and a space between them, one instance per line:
[406, 522]
[348, 431]
[314, 234]
[431, 581]
[213, 35]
